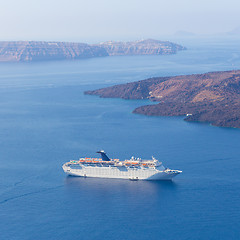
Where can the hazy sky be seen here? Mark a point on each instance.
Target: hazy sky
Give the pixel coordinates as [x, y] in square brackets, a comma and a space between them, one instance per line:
[97, 20]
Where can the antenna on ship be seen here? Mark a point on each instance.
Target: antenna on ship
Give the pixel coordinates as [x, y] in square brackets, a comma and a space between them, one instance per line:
[104, 155]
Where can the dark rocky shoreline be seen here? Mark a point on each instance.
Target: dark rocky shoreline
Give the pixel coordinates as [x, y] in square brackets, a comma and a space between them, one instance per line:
[211, 97]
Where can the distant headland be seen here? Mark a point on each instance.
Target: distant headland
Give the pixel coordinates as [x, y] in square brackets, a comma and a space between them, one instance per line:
[25, 51]
[212, 97]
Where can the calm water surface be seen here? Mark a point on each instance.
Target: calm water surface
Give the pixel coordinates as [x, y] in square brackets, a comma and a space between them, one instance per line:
[45, 120]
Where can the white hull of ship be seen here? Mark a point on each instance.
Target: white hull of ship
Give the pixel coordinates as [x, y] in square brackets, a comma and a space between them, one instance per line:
[113, 172]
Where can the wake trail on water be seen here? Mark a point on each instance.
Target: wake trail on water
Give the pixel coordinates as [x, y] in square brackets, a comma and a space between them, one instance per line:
[29, 194]
[10, 188]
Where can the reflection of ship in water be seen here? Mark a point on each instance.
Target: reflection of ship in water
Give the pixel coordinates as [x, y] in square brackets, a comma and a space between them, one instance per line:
[102, 191]
[117, 188]
[133, 169]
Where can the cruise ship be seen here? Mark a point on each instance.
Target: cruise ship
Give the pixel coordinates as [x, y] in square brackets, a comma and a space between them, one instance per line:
[132, 169]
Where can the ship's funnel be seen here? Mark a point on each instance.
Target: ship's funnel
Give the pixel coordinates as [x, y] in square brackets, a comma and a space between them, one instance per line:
[104, 155]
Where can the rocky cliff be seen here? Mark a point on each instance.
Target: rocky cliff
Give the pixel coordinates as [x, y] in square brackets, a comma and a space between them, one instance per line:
[211, 97]
[143, 47]
[40, 51]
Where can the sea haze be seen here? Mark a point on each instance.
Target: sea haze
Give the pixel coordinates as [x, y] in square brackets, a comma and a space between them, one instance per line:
[46, 120]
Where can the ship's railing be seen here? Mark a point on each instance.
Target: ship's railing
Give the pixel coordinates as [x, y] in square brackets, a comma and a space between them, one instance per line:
[144, 163]
[94, 160]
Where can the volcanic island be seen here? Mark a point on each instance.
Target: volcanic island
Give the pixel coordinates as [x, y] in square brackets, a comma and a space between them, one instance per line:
[212, 97]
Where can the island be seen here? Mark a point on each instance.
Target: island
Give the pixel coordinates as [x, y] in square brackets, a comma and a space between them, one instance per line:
[142, 47]
[26, 51]
[212, 97]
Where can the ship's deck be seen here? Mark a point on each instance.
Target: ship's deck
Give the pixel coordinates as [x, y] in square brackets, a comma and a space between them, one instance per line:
[116, 162]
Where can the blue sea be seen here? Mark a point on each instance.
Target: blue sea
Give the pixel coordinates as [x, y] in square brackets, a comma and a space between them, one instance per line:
[46, 120]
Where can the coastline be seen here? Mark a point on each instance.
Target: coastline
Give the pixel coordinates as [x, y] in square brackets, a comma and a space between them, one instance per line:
[210, 97]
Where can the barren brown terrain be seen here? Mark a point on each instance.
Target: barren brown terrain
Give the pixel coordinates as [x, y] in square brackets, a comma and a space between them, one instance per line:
[211, 97]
